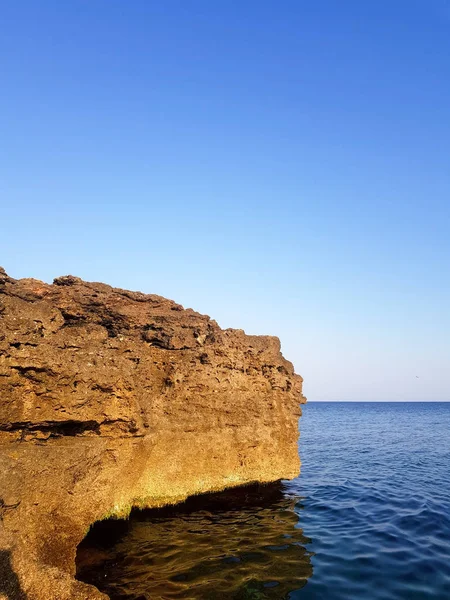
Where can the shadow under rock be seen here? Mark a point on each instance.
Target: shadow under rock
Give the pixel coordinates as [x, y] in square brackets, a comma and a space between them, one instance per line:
[240, 544]
[9, 582]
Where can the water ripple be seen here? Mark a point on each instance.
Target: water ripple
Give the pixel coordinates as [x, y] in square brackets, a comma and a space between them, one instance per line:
[369, 518]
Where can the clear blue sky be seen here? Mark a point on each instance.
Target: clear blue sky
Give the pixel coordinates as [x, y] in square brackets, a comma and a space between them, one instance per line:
[281, 166]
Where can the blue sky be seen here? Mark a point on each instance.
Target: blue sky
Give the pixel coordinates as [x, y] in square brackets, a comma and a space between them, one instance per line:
[281, 166]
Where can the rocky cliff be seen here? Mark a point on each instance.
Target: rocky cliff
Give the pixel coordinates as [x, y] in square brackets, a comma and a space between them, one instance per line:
[111, 399]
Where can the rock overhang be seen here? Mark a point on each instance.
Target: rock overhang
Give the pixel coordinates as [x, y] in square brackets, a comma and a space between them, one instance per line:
[112, 399]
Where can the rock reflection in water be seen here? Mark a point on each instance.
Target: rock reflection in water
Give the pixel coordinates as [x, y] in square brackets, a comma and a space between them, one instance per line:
[240, 544]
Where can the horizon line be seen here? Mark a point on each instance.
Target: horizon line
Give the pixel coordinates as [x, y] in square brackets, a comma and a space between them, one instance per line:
[380, 401]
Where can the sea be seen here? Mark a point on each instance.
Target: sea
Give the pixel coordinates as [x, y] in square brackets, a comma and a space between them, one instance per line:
[368, 518]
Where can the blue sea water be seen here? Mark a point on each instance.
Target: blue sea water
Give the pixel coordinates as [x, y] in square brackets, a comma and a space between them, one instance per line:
[368, 518]
[375, 488]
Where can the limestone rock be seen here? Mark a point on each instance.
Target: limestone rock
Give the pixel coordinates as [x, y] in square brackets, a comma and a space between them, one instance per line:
[111, 399]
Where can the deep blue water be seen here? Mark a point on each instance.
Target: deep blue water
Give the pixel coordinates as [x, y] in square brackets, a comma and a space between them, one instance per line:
[375, 484]
[369, 518]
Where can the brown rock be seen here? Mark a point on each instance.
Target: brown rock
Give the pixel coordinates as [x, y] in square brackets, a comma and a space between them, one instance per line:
[111, 399]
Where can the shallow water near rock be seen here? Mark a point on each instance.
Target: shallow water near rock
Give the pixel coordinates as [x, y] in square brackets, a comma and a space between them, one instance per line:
[369, 517]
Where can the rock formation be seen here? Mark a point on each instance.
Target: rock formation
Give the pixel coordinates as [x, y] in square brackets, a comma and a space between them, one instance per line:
[111, 399]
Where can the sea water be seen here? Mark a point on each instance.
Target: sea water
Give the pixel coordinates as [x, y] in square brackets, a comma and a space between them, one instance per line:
[368, 518]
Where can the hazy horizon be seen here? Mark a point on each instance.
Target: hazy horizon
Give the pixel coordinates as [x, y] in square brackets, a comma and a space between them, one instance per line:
[282, 168]
[380, 401]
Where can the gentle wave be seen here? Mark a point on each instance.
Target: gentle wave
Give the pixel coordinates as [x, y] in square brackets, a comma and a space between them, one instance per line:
[369, 518]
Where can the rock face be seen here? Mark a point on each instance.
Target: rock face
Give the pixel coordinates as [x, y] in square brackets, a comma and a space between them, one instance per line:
[111, 399]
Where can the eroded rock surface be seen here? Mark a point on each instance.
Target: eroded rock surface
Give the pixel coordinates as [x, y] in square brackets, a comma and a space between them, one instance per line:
[111, 399]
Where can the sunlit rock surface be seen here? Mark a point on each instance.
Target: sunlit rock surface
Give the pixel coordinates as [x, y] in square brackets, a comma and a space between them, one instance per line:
[111, 399]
